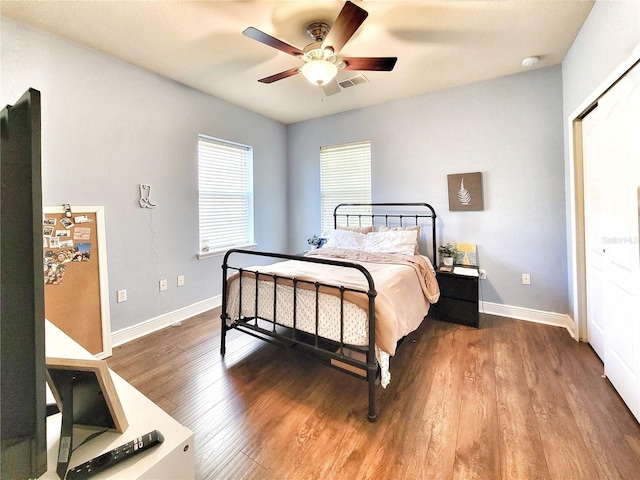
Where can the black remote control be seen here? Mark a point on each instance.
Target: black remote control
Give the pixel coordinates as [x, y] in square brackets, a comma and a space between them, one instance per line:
[117, 455]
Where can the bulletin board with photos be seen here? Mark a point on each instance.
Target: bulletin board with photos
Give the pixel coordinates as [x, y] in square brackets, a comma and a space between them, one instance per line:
[75, 275]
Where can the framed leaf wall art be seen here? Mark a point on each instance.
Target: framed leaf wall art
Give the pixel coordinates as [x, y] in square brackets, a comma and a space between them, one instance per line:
[465, 191]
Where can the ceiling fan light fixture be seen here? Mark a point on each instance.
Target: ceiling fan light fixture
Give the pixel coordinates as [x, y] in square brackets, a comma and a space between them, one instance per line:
[319, 72]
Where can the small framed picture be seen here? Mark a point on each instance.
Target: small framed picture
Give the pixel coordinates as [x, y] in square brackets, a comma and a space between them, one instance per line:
[47, 230]
[465, 191]
[90, 381]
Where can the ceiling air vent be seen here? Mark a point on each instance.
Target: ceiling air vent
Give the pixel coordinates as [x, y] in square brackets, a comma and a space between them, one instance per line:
[351, 82]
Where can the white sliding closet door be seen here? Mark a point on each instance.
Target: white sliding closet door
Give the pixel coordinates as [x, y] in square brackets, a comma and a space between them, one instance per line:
[611, 156]
[595, 229]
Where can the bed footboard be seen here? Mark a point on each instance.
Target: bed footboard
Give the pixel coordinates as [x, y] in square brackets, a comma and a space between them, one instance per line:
[301, 313]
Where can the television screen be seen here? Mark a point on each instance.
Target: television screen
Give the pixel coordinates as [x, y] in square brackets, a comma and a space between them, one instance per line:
[23, 437]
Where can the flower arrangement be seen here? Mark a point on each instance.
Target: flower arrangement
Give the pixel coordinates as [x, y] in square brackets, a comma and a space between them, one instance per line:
[314, 241]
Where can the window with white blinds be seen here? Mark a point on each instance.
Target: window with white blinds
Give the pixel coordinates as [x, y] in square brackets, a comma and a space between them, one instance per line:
[345, 177]
[225, 186]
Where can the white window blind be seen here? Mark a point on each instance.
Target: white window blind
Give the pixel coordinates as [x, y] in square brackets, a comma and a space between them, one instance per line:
[225, 187]
[345, 177]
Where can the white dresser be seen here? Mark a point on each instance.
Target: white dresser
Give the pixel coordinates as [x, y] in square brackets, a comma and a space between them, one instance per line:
[171, 460]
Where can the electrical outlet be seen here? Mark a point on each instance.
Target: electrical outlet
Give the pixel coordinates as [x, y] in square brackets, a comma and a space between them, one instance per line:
[483, 273]
[163, 285]
[180, 280]
[526, 279]
[122, 295]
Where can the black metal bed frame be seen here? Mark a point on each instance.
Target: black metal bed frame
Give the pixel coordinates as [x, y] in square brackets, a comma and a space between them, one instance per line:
[318, 347]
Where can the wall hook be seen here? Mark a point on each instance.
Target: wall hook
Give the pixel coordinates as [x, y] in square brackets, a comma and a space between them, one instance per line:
[145, 191]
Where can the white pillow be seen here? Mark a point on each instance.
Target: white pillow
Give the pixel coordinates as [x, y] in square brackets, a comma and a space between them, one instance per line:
[346, 239]
[384, 228]
[393, 241]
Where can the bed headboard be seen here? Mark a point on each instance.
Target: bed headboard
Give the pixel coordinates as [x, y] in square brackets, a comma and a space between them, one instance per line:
[390, 215]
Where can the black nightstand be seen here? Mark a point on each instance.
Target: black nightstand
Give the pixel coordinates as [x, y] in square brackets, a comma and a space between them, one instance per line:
[458, 299]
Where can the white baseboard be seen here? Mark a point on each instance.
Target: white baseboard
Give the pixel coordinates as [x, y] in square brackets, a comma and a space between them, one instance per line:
[153, 324]
[165, 320]
[538, 316]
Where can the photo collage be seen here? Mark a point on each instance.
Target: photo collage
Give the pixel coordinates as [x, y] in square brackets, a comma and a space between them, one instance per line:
[65, 240]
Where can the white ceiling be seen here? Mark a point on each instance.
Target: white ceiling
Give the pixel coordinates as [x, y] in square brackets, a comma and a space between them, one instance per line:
[439, 44]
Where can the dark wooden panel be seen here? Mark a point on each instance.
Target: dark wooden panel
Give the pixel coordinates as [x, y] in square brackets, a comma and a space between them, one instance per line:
[457, 311]
[458, 299]
[458, 286]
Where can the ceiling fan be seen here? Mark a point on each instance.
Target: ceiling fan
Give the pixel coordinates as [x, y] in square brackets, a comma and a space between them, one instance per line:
[321, 63]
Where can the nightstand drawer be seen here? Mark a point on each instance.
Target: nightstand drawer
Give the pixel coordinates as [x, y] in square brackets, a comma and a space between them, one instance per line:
[458, 286]
[456, 311]
[458, 299]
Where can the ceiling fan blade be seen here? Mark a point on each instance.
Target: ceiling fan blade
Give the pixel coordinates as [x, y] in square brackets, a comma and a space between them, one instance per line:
[280, 76]
[349, 19]
[384, 64]
[267, 39]
[331, 88]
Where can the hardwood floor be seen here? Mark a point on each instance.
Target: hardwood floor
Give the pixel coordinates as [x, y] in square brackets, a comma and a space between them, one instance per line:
[511, 400]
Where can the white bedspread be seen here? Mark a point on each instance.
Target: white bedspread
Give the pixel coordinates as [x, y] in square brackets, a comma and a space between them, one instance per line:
[405, 286]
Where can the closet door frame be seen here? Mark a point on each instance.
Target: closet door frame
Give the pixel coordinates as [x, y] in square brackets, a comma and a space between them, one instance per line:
[576, 195]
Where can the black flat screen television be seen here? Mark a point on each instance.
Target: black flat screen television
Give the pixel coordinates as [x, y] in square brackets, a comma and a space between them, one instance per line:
[23, 436]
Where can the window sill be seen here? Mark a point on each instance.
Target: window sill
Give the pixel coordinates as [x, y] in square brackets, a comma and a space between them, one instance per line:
[222, 251]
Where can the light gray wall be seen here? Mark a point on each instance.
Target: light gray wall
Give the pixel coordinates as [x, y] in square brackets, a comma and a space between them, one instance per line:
[510, 129]
[107, 127]
[607, 38]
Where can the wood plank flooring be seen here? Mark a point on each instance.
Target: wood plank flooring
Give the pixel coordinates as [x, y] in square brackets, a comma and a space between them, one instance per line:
[511, 400]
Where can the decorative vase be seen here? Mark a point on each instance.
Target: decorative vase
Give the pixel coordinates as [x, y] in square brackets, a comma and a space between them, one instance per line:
[448, 261]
